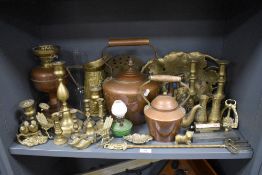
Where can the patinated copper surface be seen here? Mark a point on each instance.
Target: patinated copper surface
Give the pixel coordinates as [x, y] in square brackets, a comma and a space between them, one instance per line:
[126, 87]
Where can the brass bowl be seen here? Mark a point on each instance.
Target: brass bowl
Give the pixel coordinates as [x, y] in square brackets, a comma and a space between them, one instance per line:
[46, 51]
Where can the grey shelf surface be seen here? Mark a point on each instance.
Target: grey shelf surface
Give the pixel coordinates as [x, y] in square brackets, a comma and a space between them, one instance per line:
[95, 151]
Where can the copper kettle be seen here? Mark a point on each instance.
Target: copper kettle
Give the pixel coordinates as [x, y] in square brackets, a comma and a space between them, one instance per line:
[126, 85]
[164, 114]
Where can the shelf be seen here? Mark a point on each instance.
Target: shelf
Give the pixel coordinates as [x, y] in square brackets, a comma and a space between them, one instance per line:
[94, 151]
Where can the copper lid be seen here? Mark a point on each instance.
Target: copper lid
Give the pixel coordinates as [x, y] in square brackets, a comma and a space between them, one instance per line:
[164, 103]
[164, 108]
[131, 74]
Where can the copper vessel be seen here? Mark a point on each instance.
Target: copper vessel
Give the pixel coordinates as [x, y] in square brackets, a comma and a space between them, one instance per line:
[43, 76]
[126, 85]
[164, 114]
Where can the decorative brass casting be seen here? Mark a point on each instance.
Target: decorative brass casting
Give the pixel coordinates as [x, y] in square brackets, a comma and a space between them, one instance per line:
[184, 139]
[138, 138]
[29, 133]
[91, 135]
[229, 122]
[32, 139]
[44, 123]
[177, 63]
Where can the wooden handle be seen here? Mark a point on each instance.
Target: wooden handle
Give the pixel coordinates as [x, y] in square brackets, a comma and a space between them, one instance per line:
[165, 78]
[128, 42]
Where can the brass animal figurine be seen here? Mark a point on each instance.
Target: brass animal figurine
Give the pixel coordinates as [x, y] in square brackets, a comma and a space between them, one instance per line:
[184, 139]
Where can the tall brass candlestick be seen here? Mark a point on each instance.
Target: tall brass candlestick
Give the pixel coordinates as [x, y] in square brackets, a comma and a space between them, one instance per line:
[214, 115]
[192, 83]
[66, 123]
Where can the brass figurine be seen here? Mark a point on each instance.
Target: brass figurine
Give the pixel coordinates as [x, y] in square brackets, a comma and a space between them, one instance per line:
[184, 139]
[214, 116]
[229, 122]
[138, 138]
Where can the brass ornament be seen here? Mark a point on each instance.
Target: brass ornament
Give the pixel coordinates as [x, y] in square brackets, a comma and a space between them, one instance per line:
[138, 138]
[184, 139]
[215, 115]
[66, 122]
[28, 108]
[228, 121]
[32, 139]
[177, 63]
[44, 123]
[232, 146]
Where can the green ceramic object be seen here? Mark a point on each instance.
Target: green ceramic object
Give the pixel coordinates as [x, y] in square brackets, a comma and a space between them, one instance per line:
[122, 130]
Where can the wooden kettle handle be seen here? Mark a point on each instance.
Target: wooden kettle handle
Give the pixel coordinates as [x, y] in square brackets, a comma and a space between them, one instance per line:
[128, 42]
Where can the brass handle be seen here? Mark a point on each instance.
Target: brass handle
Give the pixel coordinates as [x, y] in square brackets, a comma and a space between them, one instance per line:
[165, 78]
[128, 42]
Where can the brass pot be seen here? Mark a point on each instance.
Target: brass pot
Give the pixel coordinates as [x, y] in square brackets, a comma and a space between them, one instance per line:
[126, 85]
[164, 114]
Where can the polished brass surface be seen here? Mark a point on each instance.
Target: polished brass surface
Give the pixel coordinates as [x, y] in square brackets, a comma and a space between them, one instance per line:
[207, 127]
[215, 115]
[189, 118]
[28, 107]
[184, 139]
[66, 122]
[232, 146]
[59, 138]
[29, 130]
[138, 138]
[229, 121]
[90, 134]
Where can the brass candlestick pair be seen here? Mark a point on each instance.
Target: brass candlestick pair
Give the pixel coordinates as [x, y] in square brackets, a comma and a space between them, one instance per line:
[29, 133]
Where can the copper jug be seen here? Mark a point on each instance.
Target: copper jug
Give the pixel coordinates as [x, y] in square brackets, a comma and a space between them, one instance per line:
[126, 85]
[164, 114]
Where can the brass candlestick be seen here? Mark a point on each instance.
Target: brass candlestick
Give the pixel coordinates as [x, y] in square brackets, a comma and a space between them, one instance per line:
[59, 139]
[214, 115]
[192, 84]
[66, 123]
[28, 108]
